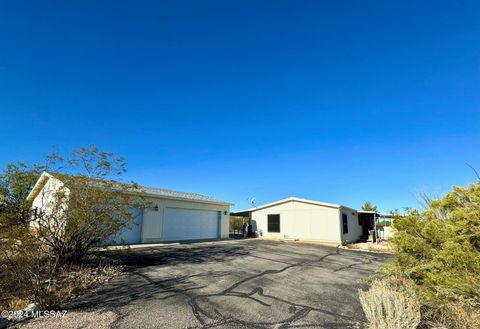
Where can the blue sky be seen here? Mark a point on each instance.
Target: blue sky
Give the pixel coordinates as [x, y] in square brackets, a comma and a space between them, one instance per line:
[339, 101]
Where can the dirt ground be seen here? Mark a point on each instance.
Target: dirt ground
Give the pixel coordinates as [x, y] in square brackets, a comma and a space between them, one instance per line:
[384, 246]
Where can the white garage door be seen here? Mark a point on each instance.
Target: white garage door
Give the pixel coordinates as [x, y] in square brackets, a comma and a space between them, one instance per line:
[187, 224]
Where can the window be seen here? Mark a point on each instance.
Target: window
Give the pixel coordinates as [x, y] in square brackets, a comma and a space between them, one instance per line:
[274, 223]
[345, 223]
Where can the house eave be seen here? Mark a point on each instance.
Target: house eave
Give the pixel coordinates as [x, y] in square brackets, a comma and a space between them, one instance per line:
[156, 196]
[290, 199]
[42, 180]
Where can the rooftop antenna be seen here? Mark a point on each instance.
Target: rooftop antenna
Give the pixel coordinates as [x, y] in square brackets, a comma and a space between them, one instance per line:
[252, 201]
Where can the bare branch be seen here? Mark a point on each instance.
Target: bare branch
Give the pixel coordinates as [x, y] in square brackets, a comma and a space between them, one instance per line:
[474, 170]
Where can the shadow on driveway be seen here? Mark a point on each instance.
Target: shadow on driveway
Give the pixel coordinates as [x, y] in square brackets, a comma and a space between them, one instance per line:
[134, 284]
[237, 284]
[178, 254]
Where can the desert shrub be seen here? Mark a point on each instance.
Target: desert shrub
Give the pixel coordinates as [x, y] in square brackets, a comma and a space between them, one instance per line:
[27, 268]
[391, 304]
[16, 182]
[25, 263]
[452, 315]
[38, 246]
[439, 250]
[30, 272]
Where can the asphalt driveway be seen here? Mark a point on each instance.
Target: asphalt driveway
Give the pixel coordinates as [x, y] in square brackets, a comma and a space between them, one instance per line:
[237, 284]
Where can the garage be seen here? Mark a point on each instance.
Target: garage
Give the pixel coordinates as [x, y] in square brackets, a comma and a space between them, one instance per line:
[163, 215]
[190, 224]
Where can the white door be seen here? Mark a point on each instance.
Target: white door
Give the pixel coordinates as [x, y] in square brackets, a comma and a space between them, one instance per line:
[188, 224]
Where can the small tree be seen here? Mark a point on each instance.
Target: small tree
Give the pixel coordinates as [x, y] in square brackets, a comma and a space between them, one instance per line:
[367, 206]
[89, 206]
[16, 182]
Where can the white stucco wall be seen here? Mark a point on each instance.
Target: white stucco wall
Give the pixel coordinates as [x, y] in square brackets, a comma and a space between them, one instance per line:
[301, 220]
[354, 230]
[45, 201]
[152, 229]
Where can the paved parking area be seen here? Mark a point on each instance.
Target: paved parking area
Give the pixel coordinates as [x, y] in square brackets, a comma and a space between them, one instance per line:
[237, 284]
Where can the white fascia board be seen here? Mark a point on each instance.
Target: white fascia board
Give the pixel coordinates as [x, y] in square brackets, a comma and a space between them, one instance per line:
[318, 203]
[42, 180]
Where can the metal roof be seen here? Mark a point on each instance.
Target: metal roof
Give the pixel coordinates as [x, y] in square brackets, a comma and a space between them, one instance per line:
[171, 194]
[149, 191]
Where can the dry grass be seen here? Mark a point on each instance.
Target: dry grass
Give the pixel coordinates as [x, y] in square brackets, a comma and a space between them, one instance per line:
[16, 304]
[454, 316]
[466, 319]
[69, 282]
[390, 304]
[78, 280]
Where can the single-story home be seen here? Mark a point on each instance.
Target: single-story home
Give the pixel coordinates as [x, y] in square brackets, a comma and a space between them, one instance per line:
[305, 219]
[174, 216]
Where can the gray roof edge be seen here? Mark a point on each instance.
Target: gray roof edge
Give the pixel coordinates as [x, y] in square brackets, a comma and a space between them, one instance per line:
[171, 197]
[349, 208]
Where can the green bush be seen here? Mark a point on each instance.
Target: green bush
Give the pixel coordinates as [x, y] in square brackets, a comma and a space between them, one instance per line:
[439, 250]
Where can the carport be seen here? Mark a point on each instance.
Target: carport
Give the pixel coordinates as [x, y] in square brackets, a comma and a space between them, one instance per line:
[373, 224]
[237, 219]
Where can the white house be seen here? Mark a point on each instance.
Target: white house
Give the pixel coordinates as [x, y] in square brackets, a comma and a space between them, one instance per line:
[306, 220]
[174, 216]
